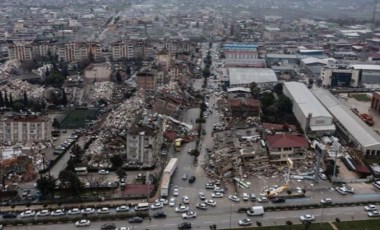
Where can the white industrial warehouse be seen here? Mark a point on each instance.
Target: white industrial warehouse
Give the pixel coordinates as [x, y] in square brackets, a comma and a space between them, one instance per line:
[310, 113]
[243, 77]
[349, 126]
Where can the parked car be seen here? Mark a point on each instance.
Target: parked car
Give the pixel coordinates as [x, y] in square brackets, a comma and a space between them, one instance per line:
[182, 208]
[278, 200]
[326, 201]
[88, 211]
[210, 202]
[156, 205]
[172, 202]
[28, 213]
[58, 212]
[209, 186]
[217, 195]
[202, 206]
[192, 179]
[135, 219]
[43, 213]
[82, 223]
[162, 201]
[103, 210]
[103, 172]
[373, 214]
[202, 196]
[185, 199]
[108, 226]
[322, 176]
[262, 199]
[189, 215]
[175, 192]
[233, 198]
[184, 176]
[307, 218]
[159, 215]
[122, 208]
[245, 196]
[218, 189]
[370, 207]
[253, 197]
[9, 215]
[245, 222]
[341, 190]
[184, 225]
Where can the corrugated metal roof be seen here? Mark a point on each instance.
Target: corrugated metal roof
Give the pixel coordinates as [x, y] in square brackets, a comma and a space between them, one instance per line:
[363, 134]
[239, 76]
[306, 100]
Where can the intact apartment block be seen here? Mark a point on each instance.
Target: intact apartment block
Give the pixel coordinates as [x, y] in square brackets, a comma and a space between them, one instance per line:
[25, 129]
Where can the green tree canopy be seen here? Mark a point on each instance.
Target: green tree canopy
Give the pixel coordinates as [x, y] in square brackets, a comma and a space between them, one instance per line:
[71, 181]
[117, 161]
[46, 185]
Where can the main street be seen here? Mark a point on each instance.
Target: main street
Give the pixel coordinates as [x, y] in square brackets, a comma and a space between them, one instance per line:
[222, 217]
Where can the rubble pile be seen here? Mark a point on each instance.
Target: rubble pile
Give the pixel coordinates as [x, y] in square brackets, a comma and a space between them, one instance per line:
[17, 88]
[101, 90]
[8, 68]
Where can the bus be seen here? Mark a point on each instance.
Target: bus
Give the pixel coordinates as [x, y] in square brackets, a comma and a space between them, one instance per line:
[80, 171]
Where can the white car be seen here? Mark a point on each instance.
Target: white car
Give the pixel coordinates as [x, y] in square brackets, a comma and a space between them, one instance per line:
[88, 211]
[189, 215]
[373, 214]
[202, 196]
[322, 176]
[202, 206]
[175, 192]
[103, 172]
[209, 186]
[307, 218]
[28, 213]
[74, 211]
[218, 189]
[122, 208]
[217, 195]
[341, 190]
[210, 202]
[43, 213]
[370, 207]
[245, 222]
[122, 228]
[156, 205]
[162, 201]
[182, 208]
[262, 200]
[103, 211]
[245, 196]
[234, 198]
[185, 199]
[172, 202]
[58, 212]
[82, 223]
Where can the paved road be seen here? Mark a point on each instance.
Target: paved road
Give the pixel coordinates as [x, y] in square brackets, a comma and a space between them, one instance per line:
[223, 218]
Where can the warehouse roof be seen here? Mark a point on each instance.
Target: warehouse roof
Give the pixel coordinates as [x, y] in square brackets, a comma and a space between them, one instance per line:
[248, 75]
[363, 134]
[306, 100]
[282, 56]
[366, 67]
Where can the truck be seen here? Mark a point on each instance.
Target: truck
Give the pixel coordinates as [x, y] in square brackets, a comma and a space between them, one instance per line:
[166, 177]
[256, 211]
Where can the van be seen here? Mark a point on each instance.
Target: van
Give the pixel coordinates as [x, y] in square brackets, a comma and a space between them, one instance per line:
[142, 207]
[256, 211]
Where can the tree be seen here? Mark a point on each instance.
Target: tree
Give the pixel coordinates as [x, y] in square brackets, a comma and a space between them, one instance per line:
[278, 89]
[55, 123]
[46, 185]
[289, 192]
[118, 77]
[17, 106]
[6, 102]
[206, 72]
[117, 161]
[121, 173]
[71, 181]
[64, 98]
[1, 100]
[10, 100]
[284, 104]
[78, 152]
[267, 99]
[128, 71]
[25, 101]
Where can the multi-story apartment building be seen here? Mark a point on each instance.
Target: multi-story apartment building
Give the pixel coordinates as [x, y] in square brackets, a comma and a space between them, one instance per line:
[146, 81]
[25, 129]
[79, 51]
[144, 139]
[22, 51]
[129, 49]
